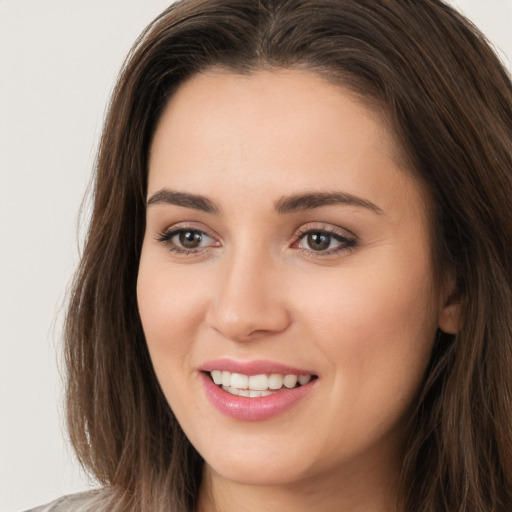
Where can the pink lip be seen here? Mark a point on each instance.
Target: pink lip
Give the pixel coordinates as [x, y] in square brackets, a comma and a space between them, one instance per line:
[253, 409]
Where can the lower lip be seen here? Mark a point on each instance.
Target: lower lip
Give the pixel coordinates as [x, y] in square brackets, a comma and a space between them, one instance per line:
[254, 409]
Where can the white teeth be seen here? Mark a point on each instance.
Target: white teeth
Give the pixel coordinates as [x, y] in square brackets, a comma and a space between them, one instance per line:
[217, 376]
[233, 391]
[256, 385]
[275, 381]
[290, 381]
[226, 379]
[258, 382]
[304, 379]
[246, 392]
[240, 381]
[255, 394]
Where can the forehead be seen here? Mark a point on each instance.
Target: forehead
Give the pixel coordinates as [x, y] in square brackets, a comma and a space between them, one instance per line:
[281, 130]
[257, 100]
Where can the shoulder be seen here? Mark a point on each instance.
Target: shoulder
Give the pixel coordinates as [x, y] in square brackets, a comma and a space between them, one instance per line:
[81, 502]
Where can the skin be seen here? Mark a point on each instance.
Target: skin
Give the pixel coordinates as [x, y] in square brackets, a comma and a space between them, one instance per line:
[363, 319]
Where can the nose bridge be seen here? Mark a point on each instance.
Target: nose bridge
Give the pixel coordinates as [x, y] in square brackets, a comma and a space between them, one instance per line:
[248, 299]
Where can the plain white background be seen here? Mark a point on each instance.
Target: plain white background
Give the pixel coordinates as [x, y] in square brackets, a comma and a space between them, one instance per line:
[58, 63]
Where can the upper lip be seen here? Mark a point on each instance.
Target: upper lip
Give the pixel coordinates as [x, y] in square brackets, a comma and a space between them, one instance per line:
[254, 367]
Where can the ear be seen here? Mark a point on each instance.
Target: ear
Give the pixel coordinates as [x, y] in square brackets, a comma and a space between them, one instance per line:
[450, 320]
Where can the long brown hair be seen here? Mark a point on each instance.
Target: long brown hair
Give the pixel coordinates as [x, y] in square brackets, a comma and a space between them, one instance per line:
[449, 101]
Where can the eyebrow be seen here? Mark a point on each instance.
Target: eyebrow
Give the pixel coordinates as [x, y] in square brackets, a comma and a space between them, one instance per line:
[300, 202]
[197, 202]
[284, 205]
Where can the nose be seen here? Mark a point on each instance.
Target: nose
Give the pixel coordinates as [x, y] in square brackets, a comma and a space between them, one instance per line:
[249, 300]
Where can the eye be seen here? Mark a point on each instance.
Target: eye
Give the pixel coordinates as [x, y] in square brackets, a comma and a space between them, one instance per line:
[324, 241]
[190, 239]
[186, 240]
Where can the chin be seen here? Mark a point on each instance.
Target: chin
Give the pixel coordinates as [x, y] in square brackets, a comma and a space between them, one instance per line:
[261, 467]
[258, 474]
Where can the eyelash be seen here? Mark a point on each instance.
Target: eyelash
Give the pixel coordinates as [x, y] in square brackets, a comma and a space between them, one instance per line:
[347, 243]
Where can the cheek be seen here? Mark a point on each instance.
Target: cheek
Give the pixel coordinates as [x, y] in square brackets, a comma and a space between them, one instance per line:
[171, 310]
[170, 307]
[390, 306]
[377, 334]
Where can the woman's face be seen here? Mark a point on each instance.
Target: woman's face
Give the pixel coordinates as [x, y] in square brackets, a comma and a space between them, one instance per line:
[285, 242]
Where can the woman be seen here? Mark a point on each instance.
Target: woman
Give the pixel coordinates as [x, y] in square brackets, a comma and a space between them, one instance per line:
[296, 288]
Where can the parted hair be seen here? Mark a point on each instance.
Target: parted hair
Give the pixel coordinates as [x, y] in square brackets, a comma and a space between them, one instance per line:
[448, 100]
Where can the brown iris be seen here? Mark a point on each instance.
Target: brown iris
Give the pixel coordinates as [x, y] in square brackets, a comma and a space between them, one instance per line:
[190, 239]
[318, 241]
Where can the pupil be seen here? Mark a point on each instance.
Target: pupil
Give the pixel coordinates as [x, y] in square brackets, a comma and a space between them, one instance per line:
[319, 241]
[190, 239]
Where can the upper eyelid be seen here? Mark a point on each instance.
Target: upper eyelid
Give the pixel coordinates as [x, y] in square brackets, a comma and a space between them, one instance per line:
[304, 228]
[332, 229]
[174, 231]
[191, 226]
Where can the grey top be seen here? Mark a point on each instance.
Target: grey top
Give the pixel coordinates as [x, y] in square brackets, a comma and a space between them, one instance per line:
[81, 502]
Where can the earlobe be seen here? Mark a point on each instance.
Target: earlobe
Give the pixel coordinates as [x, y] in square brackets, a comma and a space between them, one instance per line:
[450, 318]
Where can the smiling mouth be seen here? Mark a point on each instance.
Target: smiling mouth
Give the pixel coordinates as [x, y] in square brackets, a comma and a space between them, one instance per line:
[254, 386]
